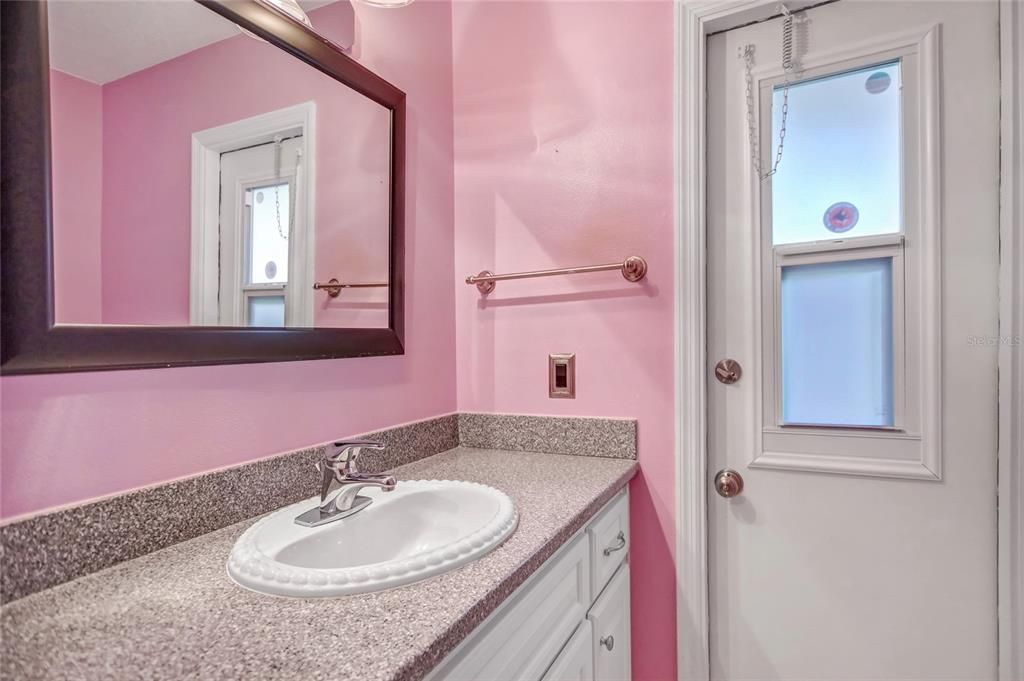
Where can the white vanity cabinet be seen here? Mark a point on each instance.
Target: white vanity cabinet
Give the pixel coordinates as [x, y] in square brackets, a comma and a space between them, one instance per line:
[576, 661]
[568, 622]
[609, 616]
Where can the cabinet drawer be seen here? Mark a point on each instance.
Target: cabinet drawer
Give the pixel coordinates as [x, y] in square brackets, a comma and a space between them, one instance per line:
[575, 662]
[523, 637]
[610, 619]
[609, 541]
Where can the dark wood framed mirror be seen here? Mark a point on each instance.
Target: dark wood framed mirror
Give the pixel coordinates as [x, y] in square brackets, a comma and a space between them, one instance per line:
[40, 335]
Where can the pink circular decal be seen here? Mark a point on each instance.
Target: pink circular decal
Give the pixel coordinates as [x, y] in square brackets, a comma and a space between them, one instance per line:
[841, 217]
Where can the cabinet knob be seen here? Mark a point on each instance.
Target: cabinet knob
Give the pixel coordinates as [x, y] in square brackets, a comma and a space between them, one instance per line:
[608, 642]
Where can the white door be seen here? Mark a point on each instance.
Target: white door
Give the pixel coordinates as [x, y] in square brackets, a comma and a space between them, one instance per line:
[856, 288]
[262, 236]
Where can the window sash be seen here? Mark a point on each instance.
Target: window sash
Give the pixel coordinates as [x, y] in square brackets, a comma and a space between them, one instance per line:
[260, 291]
[286, 179]
[865, 248]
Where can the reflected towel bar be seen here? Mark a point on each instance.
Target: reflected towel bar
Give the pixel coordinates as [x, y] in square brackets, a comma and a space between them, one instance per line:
[633, 268]
[333, 286]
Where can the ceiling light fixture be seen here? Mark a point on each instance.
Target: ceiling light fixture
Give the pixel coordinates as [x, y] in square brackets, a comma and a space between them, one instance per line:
[386, 4]
[290, 8]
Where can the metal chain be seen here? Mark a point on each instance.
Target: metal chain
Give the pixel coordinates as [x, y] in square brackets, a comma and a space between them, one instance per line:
[787, 67]
[277, 189]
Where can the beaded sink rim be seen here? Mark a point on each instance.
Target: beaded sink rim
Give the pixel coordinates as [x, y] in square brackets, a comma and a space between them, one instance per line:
[253, 569]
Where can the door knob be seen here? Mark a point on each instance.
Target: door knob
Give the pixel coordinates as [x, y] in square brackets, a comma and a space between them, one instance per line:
[728, 483]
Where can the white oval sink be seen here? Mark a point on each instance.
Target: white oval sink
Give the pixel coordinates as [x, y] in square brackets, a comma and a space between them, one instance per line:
[421, 529]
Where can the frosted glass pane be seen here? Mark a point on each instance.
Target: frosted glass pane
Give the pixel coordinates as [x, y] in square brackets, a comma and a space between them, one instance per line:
[266, 310]
[837, 343]
[268, 245]
[840, 168]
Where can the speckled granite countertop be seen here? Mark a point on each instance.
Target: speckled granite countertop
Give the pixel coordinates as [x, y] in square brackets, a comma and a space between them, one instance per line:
[175, 614]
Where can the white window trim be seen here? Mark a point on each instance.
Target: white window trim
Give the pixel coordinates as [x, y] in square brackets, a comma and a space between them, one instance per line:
[207, 146]
[913, 448]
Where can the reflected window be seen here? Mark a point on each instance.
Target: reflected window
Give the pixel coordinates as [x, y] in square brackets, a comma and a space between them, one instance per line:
[268, 234]
[266, 230]
[265, 310]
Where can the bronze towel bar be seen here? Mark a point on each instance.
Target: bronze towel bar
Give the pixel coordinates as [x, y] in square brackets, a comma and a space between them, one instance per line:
[333, 286]
[633, 268]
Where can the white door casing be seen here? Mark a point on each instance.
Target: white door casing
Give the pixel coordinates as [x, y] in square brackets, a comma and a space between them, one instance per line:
[1011, 346]
[819, 576]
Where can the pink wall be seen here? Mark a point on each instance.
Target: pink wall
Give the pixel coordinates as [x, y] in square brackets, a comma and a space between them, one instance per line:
[118, 430]
[563, 150]
[146, 196]
[76, 108]
[563, 155]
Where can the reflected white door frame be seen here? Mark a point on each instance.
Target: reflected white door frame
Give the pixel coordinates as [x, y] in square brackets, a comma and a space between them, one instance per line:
[207, 146]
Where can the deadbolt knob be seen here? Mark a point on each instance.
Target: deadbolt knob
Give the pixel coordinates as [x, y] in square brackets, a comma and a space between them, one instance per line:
[728, 483]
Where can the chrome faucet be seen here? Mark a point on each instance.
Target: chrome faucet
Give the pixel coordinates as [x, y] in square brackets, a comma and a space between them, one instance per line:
[340, 483]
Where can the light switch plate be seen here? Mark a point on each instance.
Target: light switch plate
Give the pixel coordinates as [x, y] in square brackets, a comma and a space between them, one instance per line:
[562, 376]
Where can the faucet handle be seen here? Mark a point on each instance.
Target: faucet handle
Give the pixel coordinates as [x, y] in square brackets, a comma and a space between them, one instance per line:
[343, 455]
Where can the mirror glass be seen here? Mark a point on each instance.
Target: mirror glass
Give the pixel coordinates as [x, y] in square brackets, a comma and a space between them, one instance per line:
[202, 176]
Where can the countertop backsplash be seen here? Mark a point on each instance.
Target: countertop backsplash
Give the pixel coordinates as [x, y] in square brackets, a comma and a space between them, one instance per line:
[44, 550]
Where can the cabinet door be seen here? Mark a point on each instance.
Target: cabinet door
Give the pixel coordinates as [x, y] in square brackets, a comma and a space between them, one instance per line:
[520, 640]
[609, 542]
[575, 662]
[610, 617]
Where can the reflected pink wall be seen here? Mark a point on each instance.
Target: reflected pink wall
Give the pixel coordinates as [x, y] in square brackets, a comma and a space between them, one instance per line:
[76, 108]
[352, 239]
[563, 150]
[146, 196]
[119, 430]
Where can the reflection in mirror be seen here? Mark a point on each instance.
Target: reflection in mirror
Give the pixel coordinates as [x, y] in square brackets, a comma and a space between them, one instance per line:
[202, 176]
